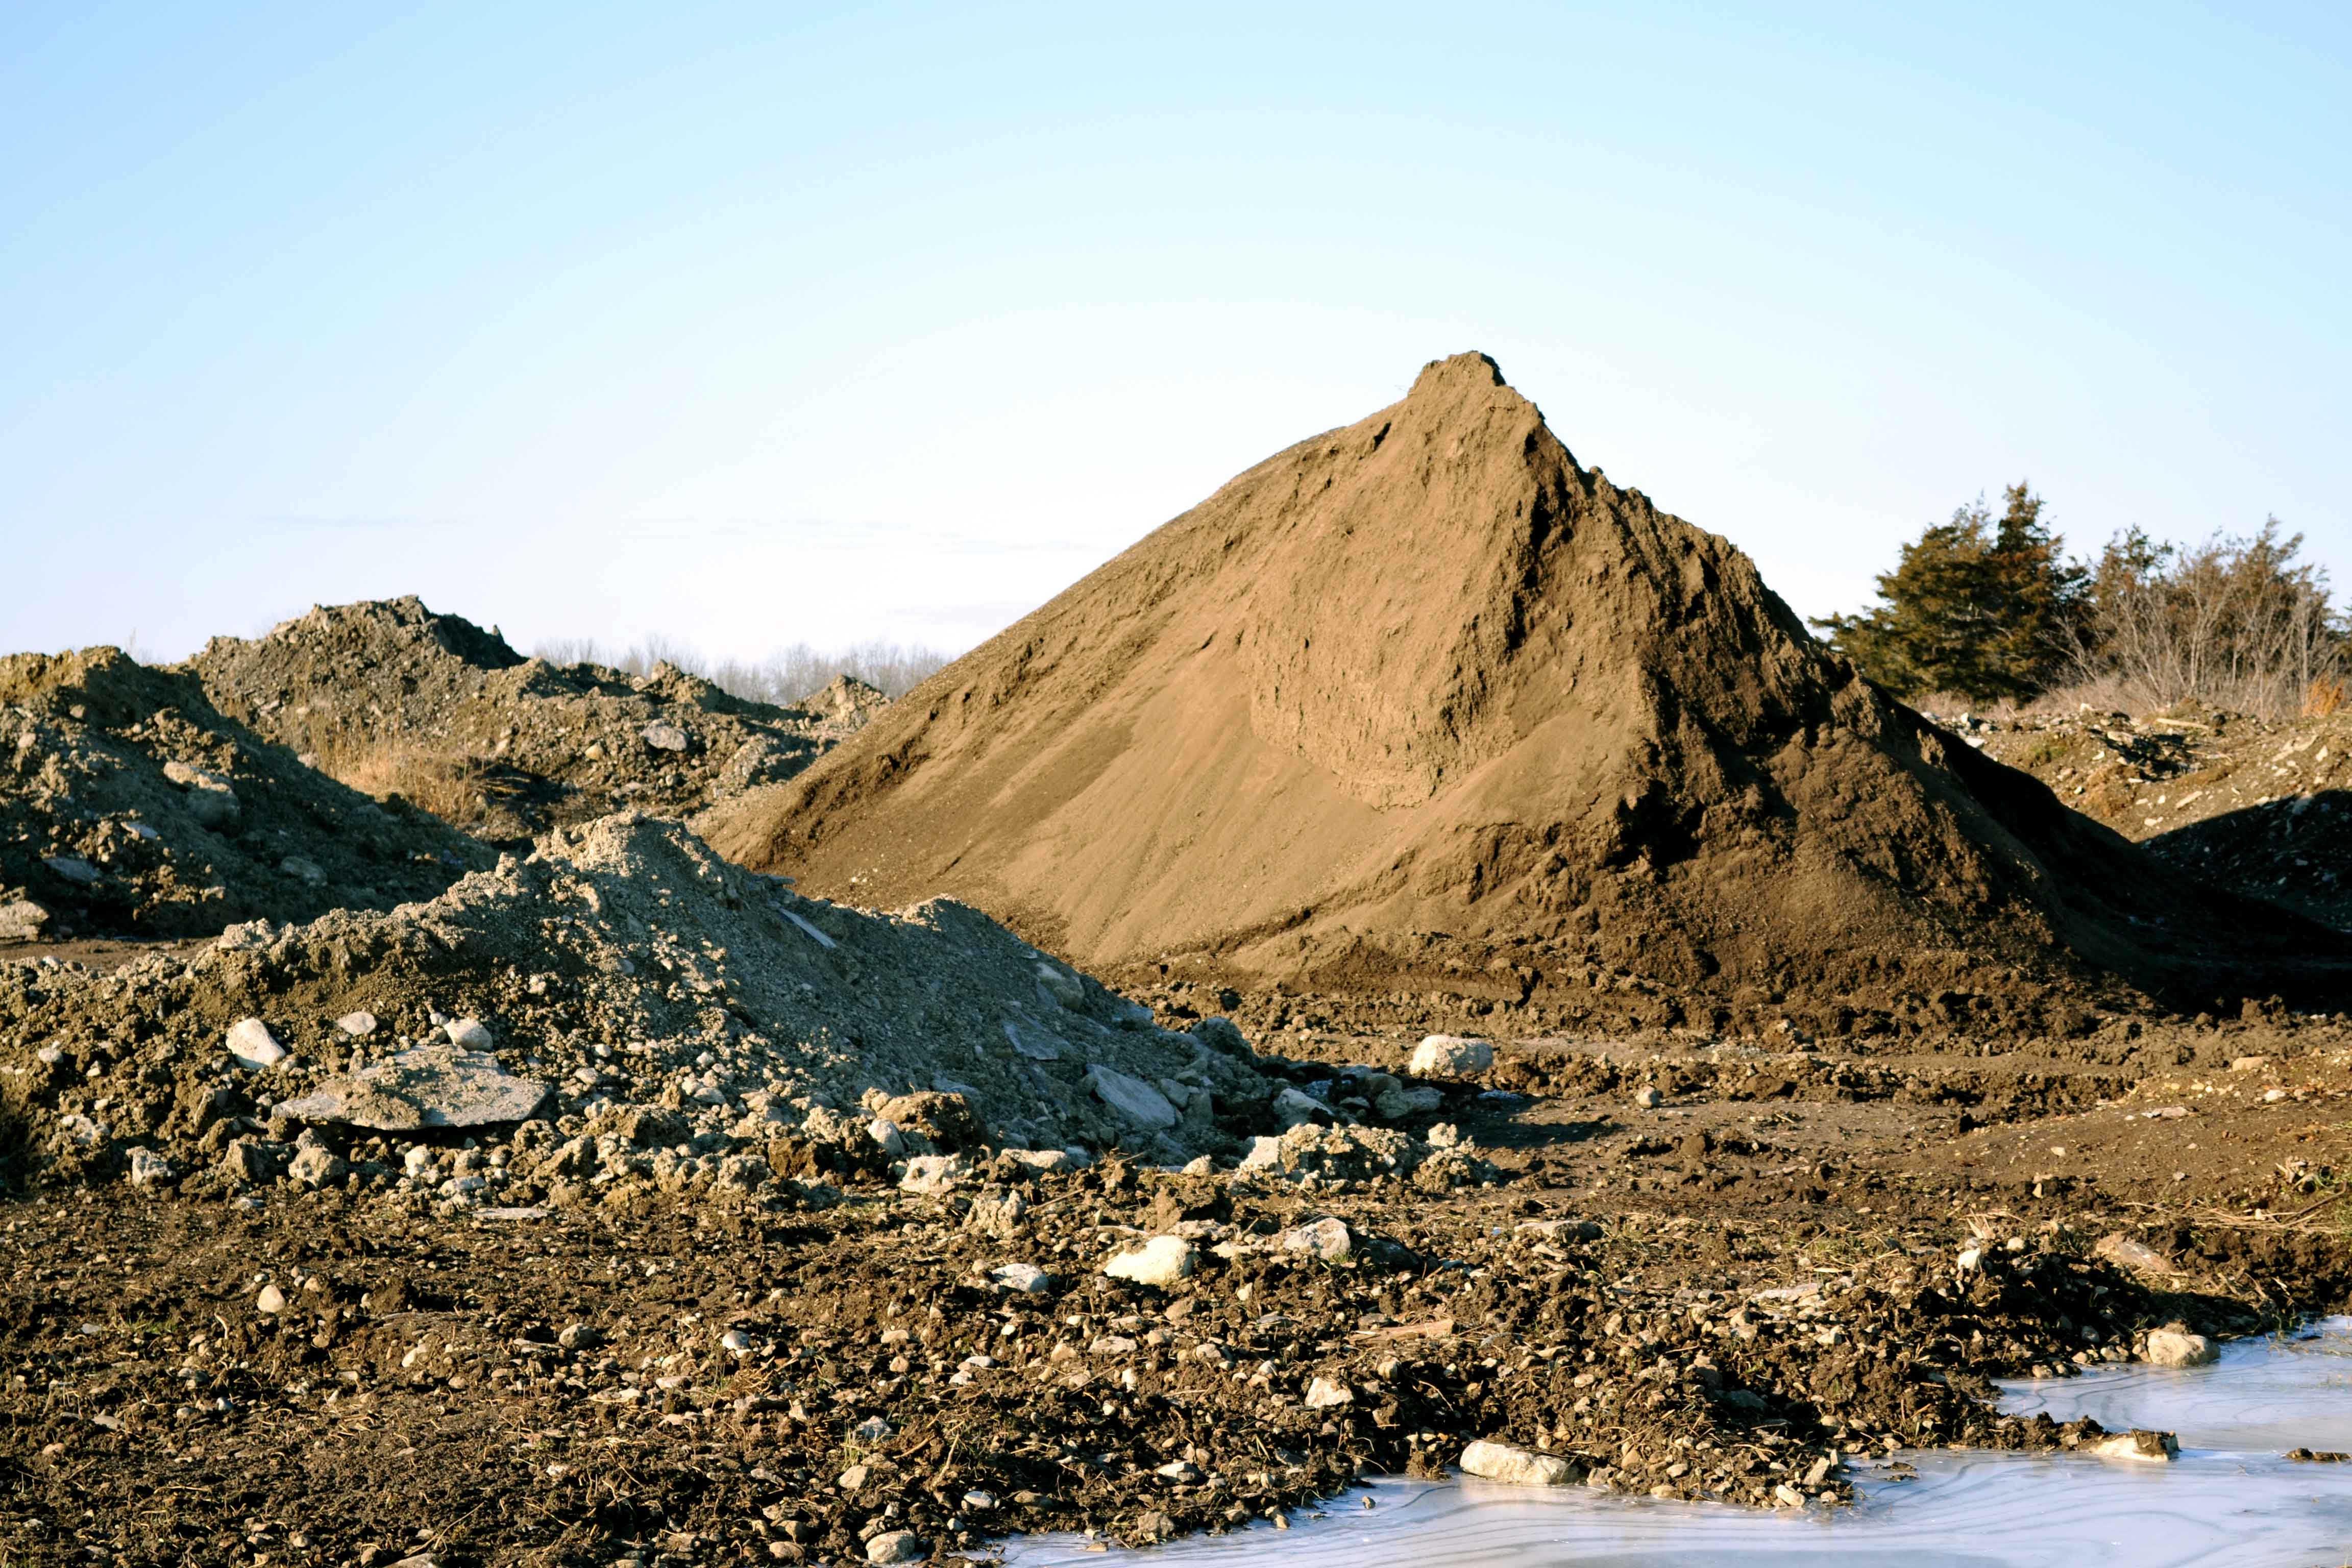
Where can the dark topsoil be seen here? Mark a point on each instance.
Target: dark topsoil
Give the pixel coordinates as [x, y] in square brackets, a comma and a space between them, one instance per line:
[427, 1390]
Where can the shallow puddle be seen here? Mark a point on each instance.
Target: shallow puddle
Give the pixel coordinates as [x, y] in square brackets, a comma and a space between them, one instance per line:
[2231, 1497]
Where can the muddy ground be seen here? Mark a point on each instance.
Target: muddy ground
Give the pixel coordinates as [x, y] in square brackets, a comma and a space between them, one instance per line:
[718, 1377]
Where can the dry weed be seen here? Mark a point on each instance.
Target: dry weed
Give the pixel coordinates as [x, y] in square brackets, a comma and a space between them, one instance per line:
[2323, 697]
[451, 786]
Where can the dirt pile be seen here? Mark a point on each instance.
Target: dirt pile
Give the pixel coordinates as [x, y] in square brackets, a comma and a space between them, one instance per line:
[2258, 806]
[130, 807]
[622, 1006]
[1420, 705]
[394, 698]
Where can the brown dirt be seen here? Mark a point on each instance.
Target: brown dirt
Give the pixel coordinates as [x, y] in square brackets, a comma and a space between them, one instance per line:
[1731, 1293]
[390, 696]
[1423, 705]
[2258, 806]
[105, 833]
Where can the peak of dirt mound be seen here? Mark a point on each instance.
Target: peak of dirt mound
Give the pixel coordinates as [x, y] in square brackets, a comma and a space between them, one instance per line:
[1422, 704]
[130, 807]
[397, 698]
[621, 1004]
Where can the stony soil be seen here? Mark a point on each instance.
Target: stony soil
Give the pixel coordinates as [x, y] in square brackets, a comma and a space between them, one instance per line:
[1727, 1294]
[1422, 704]
[131, 807]
[516, 744]
[2253, 806]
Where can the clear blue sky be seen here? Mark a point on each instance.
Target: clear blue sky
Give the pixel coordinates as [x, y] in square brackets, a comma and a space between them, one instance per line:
[753, 323]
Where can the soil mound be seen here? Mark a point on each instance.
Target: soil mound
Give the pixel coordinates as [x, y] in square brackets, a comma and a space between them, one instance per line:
[621, 1002]
[129, 806]
[394, 698]
[1423, 704]
[2259, 807]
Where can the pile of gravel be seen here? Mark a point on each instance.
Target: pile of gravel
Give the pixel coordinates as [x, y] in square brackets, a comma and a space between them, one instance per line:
[131, 807]
[622, 1007]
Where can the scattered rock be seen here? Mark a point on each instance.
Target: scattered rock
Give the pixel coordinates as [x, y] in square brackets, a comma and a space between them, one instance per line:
[896, 1546]
[316, 1165]
[468, 1034]
[1325, 1240]
[1025, 1278]
[666, 737]
[1515, 1465]
[2178, 1347]
[252, 1046]
[2140, 1444]
[21, 919]
[432, 1086]
[271, 1301]
[359, 1025]
[1137, 1102]
[1450, 1055]
[1323, 1393]
[1161, 1261]
[1648, 1097]
[2122, 1250]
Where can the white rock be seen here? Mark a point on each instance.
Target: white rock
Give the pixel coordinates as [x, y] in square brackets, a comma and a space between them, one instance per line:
[1518, 1467]
[2137, 1445]
[315, 1165]
[1322, 1394]
[1264, 1154]
[148, 1168]
[72, 868]
[358, 1026]
[1325, 1240]
[1162, 1261]
[735, 1341]
[271, 1301]
[885, 1133]
[1970, 1258]
[2172, 1347]
[663, 736]
[21, 919]
[1648, 1098]
[468, 1034]
[1025, 1278]
[931, 1174]
[418, 1161]
[1132, 1098]
[1450, 1055]
[896, 1546]
[251, 1044]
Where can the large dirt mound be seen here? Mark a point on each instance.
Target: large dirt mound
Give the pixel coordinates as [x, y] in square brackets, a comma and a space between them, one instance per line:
[393, 696]
[622, 1002]
[2259, 807]
[129, 806]
[1421, 703]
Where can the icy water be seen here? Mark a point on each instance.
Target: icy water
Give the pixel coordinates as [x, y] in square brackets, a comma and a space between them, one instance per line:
[2233, 1497]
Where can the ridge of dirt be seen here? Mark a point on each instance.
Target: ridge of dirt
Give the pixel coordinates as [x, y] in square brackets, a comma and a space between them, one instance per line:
[402, 698]
[2261, 807]
[130, 807]
[1420, 705]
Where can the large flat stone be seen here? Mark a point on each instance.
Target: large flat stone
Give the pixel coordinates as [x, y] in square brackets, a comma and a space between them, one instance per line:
[434, 1086]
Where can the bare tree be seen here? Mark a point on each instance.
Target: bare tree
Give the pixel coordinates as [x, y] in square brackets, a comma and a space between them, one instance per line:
[784, 677]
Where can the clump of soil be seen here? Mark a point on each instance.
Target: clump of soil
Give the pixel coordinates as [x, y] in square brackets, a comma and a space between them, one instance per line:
[395, 697]
[131, 807]
[689, 1024]
[2259, 807]
[1423, 705]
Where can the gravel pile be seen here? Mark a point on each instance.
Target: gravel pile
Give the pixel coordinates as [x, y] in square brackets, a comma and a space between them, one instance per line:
[622, 1008]
[131, 807]
[393, 693]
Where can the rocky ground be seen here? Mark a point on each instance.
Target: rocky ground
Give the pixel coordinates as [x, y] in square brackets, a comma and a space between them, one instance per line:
[398, 698]
[1696, 1266]
[2259, 807]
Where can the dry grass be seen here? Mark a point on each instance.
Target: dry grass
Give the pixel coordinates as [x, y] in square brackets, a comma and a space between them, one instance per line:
[2323, 697]
[451, 786]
